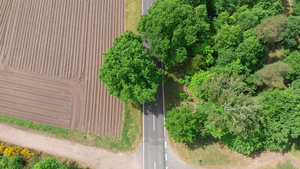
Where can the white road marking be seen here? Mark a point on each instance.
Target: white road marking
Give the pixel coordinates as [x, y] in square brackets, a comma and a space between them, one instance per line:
[153, 123]
[165, 144]
[166, 156]
[154, 165]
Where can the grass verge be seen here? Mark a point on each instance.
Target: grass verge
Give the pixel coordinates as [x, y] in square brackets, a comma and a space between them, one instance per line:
[130, 137]
[133, 11]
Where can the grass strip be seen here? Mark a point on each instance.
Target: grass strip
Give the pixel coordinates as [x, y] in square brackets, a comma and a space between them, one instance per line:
[131, 131]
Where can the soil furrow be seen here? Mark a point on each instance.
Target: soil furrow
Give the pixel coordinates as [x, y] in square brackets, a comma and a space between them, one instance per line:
[52, 51]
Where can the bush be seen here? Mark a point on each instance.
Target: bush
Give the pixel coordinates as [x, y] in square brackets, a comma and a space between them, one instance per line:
[15, 162]
[181, 81]
[50, 163]
[182, 95]
[245, 146]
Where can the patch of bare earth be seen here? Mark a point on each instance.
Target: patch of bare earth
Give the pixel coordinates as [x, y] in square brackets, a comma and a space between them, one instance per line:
[89, 156]
[50, 55]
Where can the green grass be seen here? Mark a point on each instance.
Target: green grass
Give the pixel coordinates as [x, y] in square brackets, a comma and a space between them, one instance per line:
[286, 165]
[58, 131]
[130, 137]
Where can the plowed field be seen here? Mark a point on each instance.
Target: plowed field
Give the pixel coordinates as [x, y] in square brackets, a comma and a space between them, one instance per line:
[50, 55]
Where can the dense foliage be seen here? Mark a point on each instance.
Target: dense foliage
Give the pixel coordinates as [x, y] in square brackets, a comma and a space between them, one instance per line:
[129, 72]
[291, 34]
[271, 28]
[238, 100]
[15, 157]
[174, 29]
[281, 110]
[183, 124]
[239, 58]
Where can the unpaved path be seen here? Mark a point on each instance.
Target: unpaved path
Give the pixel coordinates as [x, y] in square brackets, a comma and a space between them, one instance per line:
[93, 157]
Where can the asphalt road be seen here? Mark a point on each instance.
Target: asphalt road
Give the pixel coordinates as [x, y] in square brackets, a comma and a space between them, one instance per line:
[157, 154]
[153, 124]
[154, 137]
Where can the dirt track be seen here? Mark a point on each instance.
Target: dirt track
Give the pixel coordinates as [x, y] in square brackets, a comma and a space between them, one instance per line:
[50, 55]
[93, 157]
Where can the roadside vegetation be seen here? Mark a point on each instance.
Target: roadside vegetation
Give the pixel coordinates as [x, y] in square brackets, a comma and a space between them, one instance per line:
[128, 141]
[235, 63]
[16, 157]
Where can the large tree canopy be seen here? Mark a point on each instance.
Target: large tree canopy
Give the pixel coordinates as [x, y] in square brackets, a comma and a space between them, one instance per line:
[271, 28]
[129, 72]
[293, 60]
[183, 124]
[235, 112]
[172, 29]
[273, 75]
[227, 38]
[282, 116]
[292, 33]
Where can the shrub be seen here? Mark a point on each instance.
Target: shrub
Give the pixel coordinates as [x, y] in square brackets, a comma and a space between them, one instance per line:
[182, 95]
[50, 163]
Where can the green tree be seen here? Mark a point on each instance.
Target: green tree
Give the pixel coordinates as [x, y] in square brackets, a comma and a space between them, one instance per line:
[50, 163]
[266, 8]
[244, 145]
[296, 7]
[129, 72]
[223, 19]
[281, 110]
[271, 28]
[235, 67]
[184, 125]
[273, 75]
[172, 29]
[292, 33]
[293, 60]
[245, 18]
[227, 38]
[197, 83]
[295, 84]
[229, 6]
[194, 3]
[236, 112]
[195, 64]
[250, 51]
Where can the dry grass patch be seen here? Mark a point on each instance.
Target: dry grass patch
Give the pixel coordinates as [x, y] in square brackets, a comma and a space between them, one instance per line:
[132, 14]
[208, 153]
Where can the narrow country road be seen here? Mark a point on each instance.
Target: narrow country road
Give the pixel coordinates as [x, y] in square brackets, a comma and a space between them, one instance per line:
[157, 154]
[93, 157]
[154, 155]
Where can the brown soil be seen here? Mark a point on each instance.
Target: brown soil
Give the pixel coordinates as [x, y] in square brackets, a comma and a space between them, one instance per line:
[50, 55]
[84, 155]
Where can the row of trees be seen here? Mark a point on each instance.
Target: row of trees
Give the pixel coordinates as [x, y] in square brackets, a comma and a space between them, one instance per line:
[245, 100]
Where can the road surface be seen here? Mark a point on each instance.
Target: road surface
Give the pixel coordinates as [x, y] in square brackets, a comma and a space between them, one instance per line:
[155, 146]
[153, 124]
